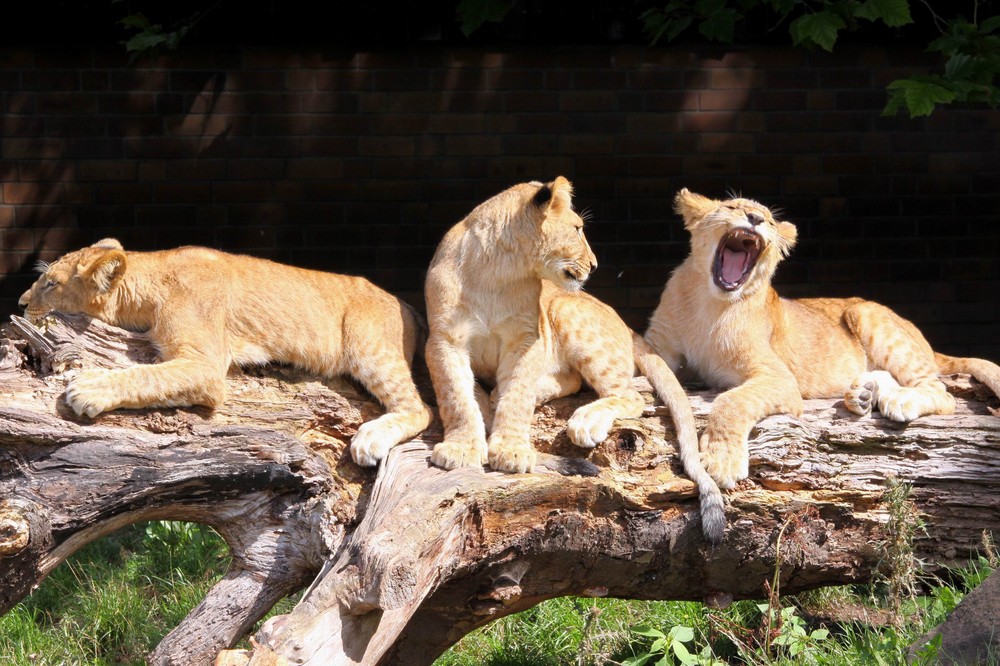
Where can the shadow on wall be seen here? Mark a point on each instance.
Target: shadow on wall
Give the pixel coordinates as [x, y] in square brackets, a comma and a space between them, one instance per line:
[348, 162]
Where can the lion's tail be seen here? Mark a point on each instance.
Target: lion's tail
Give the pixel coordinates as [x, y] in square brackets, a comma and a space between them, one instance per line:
[420, 328]
[664, 382]
[985, 371]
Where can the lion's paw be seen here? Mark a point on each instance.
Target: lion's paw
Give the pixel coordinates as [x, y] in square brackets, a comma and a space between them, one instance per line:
[91, 392]
[590, 425]
[511, 456]
[901, 405]
[859, 397]
[454, 454]
[372, 443]
[727, 462]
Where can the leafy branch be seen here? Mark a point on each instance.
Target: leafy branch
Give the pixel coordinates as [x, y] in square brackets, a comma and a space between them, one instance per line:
[970, 48]
[150, 38]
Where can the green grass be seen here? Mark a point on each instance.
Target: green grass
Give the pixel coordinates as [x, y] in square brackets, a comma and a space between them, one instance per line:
[113, 601]
[553, 633]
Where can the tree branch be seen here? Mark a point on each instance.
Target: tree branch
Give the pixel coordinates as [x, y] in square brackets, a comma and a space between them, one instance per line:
[404, 564]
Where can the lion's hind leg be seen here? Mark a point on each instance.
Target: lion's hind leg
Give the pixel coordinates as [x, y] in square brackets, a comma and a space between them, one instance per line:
[600, 350]
[382, 368]
[903, 383]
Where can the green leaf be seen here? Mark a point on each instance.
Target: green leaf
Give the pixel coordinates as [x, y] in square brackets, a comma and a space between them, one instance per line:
[473, 14]
[136, 21]
[144, 41]
[918, 96]
[720, 25]
[644, 630]
[819, 28]
[682, 653]
[989, 25]
[638, 660]
[820, 634]
[960, 66]
[682, 634]
[677, 26]
[781, 7]
[893, 13]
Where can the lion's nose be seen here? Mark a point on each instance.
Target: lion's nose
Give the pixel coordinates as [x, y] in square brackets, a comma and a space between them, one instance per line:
[23, 301]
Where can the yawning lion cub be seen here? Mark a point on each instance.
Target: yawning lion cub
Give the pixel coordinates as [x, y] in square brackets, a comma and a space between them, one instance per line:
[720, 317]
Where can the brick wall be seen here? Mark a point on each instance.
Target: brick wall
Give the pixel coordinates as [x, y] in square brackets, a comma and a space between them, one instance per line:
[358, 162]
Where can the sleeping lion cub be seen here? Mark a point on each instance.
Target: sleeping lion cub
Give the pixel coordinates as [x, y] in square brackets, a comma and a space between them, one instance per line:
[207, 310]
[504, 305]
[720, 317]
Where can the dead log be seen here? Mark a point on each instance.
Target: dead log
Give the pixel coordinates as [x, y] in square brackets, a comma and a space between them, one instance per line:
[403, 563]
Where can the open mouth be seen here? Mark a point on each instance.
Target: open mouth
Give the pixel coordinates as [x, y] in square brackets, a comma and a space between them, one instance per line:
[738, 253]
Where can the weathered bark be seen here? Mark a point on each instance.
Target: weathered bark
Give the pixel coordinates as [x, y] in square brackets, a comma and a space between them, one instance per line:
[404, 564]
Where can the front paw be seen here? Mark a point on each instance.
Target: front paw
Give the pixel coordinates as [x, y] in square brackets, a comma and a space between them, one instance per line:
[371, 443]
[453, 454]
[900, 405]
[90, 393]
[590, 425]
[858, 399]
[725, 458]
[508, 455]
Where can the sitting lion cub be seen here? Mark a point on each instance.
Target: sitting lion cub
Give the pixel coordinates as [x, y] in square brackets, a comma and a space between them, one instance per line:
[720, 317]
[207, 310]
[504, 305]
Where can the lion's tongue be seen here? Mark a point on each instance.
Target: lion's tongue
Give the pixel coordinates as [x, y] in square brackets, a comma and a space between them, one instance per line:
[733, 264]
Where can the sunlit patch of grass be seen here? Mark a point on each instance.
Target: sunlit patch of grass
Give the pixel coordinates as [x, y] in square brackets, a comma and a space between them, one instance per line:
[113, 600]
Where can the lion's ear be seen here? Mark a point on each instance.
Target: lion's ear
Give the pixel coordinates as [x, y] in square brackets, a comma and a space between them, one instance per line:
[555, 196]
[108, 244]
[787, 235]
[693, 207]
[106, 270]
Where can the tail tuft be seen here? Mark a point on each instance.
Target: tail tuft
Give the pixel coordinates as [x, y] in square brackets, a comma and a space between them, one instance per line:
[568, 466]
[713, 516]
[659, 374]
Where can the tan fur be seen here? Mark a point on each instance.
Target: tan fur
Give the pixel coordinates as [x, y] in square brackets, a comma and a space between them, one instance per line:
[771, 352]
[501, 309]
[207, 310]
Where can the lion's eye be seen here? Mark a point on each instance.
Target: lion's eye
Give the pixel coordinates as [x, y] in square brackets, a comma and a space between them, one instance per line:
[49, 284]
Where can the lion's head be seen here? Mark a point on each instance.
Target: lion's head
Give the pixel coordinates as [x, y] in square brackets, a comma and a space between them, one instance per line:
[77, 282]
[564, 253]
[737, 241]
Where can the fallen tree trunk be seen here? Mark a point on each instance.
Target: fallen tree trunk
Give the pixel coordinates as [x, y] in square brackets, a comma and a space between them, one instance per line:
[403, 564]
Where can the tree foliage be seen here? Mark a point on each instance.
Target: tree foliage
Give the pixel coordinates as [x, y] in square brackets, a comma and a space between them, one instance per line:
[962, 32]
[969, 46]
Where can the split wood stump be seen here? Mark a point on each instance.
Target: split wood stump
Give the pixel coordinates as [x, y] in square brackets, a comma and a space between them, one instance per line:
[403, 562]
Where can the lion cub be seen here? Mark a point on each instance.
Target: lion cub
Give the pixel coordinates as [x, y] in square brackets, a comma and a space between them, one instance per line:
[207, 310]
[504, 305]
[720, 317]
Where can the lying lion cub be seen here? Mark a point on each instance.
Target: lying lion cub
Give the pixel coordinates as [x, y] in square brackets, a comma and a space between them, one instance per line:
[207, 310]
[720, 317]
[504, 305]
